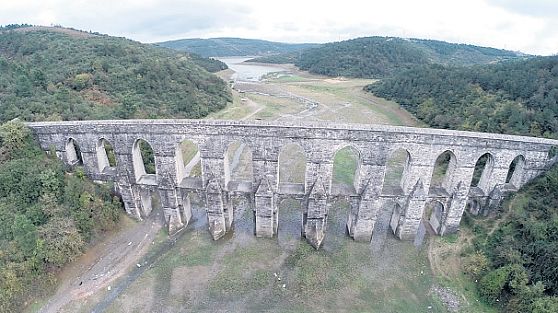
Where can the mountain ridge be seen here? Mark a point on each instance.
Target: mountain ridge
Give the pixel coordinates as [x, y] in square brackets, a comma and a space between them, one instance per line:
[379, 57]
[233, 46]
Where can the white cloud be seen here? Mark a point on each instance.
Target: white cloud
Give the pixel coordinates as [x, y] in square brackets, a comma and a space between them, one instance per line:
[504, 24]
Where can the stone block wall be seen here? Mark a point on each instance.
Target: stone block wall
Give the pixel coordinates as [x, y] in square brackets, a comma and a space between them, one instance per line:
[375, 145]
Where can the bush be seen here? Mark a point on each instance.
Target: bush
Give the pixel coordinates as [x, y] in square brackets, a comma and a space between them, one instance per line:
[492, 284]
[545, 305]
[476, 265]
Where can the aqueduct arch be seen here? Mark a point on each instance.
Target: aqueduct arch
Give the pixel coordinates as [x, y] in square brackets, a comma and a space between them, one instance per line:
[73, 152]
[516, 172]
[106, 163]
[483, 172]
[141, 156]
[346, 165]
[397, 168]
[510, 162]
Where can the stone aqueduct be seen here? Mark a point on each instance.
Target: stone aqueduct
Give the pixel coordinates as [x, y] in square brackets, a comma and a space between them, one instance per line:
[374, 143]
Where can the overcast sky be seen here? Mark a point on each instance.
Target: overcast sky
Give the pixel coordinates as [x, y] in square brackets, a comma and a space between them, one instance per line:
[529, 26]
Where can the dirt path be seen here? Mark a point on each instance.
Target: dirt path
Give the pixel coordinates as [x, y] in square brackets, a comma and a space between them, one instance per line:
[257, 108]
[104, 262]
[193, 162]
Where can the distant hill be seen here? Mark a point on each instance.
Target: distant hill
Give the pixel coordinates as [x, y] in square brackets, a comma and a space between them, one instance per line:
[59, 73]
[221, 47]
[518, 97]
[281, 58]
[378, 57]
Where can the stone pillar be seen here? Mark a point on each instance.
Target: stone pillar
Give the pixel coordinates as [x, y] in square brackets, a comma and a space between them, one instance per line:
[354, 203]
[315, 216]
[366, 205]
[185, 206]
[265, 169]
[168, 192]
[90, 166]
[361, 224]
[123, 182]
[459, 195]
[412, 213]
[170, 204]
[266, 209]
[314, 170]
[215, 208]
[130, 200]
[494, 198]
[419, 168]
[452, 217]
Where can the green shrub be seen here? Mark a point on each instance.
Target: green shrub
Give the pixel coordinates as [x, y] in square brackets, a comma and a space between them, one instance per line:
[492, 284]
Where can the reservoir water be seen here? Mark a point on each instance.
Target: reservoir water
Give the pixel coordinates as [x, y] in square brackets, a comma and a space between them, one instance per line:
[248, 72]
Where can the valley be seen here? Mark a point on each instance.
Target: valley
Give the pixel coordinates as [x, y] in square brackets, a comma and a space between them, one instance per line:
[346, 157]
[238, 273]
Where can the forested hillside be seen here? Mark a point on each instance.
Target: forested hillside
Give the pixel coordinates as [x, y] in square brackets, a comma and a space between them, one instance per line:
[378, 57]
[281, 58]
[515, 261]
[46, 216]
[69, 75]
[515, 97]
[221, 47]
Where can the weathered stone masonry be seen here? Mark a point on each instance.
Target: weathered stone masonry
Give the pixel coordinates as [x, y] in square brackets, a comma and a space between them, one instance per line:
[375, 144]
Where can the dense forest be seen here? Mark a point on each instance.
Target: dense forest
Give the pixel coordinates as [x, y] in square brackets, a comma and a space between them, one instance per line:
[378, 57]
[69, 75]
[515, 261]
[47, 217]
[222, 47]
[514, 97]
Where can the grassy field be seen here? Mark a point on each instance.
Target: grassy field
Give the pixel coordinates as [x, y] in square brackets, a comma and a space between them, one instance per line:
[345, 165]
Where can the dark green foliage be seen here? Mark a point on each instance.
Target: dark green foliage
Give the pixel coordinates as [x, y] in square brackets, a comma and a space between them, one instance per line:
[221, 47]
[55, 75]
[148, 157]
[283, 58]
[209, 64]
[522, 252]
[377, 57]
[516, 97]
[111, 156]
[493, 283]
[13, 26]
[46, 216]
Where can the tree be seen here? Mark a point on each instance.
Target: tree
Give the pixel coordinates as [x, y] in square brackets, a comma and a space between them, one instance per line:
[13, 136]
[60, 241]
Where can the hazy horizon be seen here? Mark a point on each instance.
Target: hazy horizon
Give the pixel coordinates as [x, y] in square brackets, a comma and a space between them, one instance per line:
[530, 27]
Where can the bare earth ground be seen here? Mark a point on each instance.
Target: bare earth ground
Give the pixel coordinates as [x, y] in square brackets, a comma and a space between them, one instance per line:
[241, 273]
[104, 262]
